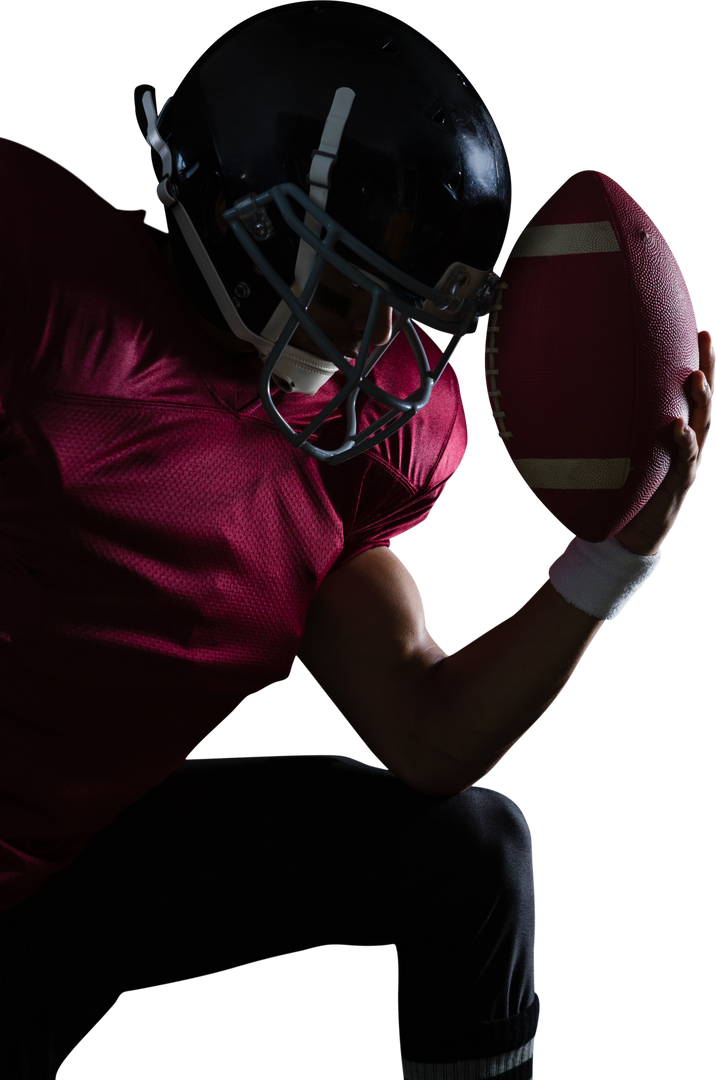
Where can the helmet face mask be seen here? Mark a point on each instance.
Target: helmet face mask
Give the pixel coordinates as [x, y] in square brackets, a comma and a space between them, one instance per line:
[384, 164]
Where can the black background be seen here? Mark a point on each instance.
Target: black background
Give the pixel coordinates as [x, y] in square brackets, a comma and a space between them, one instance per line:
[612, 779]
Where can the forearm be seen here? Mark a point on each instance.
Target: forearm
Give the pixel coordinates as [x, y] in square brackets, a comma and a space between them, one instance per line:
[472, 706]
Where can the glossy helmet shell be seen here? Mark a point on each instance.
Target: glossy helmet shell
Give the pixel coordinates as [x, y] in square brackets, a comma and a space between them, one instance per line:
[421, 177]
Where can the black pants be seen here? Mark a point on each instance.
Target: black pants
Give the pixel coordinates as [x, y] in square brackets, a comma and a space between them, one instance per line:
[233, 860]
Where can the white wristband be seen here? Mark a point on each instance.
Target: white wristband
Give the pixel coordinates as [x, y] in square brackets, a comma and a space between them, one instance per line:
[600, 578]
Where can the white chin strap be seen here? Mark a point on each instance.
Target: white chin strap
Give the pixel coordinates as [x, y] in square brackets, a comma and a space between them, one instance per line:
[300, 370]
[296, 370]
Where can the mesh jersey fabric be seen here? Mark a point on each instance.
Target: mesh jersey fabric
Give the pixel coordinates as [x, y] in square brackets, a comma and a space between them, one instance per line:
[160, 541]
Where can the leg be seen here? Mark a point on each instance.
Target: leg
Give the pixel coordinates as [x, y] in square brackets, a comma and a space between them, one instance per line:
[467, 1003]
[231, 861]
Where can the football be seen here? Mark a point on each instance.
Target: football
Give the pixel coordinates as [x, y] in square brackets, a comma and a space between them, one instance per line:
[590, 344]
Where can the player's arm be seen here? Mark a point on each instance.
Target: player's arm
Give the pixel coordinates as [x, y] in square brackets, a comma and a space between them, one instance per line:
[441, 722]
[438, 722]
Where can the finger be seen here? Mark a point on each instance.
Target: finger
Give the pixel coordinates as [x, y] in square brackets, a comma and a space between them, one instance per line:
[689, 437]
[685, 436]
[694, 433]
[687, 463]
[701, 387]
[707, 358]
[701, 384]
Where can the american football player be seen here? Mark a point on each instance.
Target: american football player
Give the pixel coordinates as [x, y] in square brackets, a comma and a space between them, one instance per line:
[208, 440]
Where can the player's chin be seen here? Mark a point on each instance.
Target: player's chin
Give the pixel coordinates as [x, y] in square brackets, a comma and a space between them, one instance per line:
[346, 347]
[351, 355]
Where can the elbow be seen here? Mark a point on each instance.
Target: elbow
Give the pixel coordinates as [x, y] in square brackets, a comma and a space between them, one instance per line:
[441, 776]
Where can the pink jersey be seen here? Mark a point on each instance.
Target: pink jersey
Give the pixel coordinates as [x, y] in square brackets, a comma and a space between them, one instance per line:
[160, 541]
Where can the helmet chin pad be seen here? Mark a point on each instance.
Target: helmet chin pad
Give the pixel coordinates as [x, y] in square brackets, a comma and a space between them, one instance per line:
[301, 372]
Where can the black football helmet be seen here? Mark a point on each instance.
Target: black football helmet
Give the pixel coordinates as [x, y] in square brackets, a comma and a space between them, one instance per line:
[338, 135]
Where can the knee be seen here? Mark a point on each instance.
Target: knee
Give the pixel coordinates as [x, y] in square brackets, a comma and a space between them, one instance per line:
[499, 816]
[485, 834]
